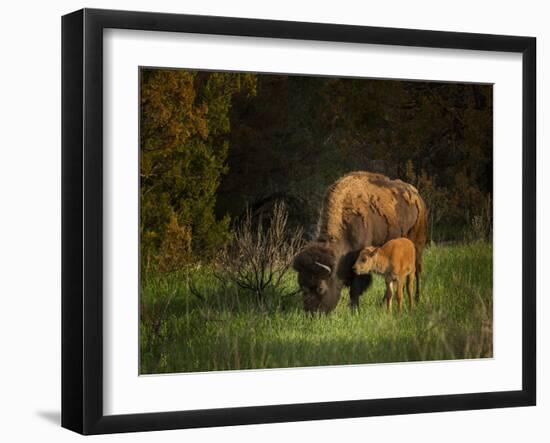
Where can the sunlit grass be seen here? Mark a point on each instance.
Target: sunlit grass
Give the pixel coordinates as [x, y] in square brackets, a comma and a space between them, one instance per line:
[191, 322]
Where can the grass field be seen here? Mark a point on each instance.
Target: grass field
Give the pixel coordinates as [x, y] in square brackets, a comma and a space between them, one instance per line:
[191, 322]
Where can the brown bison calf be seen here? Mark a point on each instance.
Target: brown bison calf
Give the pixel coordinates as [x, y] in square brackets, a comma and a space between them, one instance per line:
[396, 261]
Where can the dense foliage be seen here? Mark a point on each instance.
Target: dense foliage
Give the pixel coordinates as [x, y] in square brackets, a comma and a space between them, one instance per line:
[216, 143]
[299, 134]
[184, 122]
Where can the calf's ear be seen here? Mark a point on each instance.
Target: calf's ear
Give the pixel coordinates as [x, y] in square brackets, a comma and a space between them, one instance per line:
[369, 251]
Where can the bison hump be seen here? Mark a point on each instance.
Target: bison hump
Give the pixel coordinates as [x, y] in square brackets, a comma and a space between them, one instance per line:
[375, 199]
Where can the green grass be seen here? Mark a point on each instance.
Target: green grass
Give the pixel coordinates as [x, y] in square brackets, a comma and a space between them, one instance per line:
[213, 328]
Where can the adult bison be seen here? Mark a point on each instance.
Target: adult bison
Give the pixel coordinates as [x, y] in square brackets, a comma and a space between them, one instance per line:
[360, 209]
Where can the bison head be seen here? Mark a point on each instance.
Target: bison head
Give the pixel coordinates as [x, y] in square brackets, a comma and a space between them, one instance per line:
[316, 276]
[365, 261]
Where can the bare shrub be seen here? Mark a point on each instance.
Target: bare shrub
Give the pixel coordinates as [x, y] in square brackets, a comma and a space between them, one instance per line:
[481, 225]
[260, 253]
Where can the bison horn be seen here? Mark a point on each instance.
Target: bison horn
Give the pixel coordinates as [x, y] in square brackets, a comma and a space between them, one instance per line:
[327, 268]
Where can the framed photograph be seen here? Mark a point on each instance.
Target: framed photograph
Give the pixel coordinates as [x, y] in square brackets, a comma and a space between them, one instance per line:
[268, 221]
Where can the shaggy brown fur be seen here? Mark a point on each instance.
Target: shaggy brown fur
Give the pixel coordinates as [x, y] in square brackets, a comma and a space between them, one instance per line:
[396, 261]
[360, 209]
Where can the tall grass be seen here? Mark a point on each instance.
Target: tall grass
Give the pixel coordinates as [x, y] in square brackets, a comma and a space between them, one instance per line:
[191, 321]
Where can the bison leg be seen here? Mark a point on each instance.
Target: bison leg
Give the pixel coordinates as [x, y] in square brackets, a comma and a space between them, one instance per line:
[410, 288]
[389, 293]
[359, 284]
[400, 284]
[417, 273]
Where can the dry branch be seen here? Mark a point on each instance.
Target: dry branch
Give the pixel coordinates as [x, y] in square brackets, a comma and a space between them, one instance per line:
[261, 252]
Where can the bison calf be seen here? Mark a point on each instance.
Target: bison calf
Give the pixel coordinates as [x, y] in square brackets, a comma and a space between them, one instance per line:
[396, 261]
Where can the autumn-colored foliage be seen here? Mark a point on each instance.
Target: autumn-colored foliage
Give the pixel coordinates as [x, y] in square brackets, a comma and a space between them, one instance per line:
[183, 122]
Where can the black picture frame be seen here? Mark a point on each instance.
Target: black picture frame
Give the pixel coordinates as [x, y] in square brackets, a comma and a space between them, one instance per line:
[82, 219]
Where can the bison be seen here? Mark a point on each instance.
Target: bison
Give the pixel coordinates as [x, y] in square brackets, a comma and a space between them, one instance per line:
[360, 209]
[395, 260]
